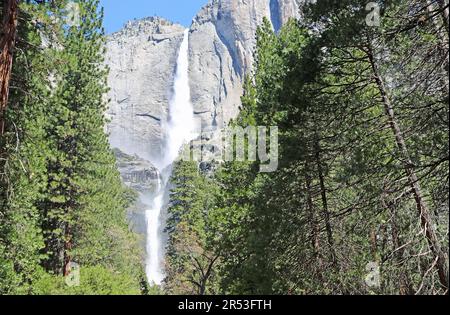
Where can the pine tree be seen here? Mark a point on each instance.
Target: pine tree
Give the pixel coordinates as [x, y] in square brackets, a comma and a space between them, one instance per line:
[190, 259]
[24, 153]
[62, 200]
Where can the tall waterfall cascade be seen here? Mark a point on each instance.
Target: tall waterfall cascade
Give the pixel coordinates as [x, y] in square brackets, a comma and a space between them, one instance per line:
[177, 131]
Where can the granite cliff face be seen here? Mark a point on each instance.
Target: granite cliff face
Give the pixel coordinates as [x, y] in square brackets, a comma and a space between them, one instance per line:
[222, 48]
[142, 58]
[221, 52]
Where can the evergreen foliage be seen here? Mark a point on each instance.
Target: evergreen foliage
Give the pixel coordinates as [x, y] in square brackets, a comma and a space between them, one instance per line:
[363, 177]
[62, 200]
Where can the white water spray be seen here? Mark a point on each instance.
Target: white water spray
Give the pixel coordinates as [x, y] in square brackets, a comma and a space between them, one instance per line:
[178, 130]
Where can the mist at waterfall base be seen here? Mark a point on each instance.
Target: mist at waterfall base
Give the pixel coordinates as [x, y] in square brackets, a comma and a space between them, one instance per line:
[177, 131]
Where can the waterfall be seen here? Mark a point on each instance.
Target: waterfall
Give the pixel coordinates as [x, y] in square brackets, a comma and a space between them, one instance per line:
[178, 130]
[154, 268]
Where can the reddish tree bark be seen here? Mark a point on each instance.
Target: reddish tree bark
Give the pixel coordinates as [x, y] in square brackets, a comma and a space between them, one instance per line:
[7, 43]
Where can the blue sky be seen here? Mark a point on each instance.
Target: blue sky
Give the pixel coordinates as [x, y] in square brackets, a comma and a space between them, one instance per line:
[117, 12]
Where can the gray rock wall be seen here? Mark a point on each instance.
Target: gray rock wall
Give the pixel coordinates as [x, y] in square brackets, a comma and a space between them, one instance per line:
[221, 53]
[142, 59]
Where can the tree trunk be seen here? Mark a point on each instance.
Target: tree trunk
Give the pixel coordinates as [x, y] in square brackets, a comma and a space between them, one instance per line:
[422, 208]
[67, 251]
[315, 241]
[7, 43]
[404, 283]
[323, 192]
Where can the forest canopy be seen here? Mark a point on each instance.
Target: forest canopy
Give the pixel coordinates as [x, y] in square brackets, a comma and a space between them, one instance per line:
[358, 205]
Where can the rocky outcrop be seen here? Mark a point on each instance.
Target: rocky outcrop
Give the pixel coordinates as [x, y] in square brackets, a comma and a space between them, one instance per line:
[141, 176]
[221, 52]
[136, 172]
